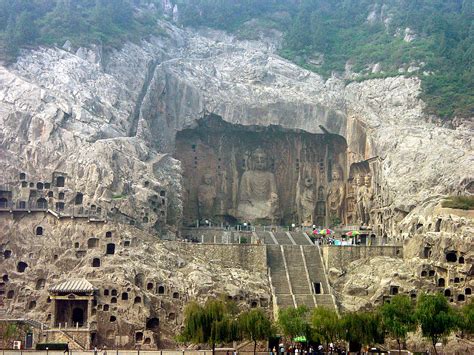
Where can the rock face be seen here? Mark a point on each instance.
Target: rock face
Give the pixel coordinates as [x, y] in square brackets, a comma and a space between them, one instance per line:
[106, 121]
[142, 285]
[89, 145]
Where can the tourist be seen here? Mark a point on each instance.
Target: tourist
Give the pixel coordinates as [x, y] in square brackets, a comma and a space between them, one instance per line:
[104, 350]
[95, 350]
[66, 350]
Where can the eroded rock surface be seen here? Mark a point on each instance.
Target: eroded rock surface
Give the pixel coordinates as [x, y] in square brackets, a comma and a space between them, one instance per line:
[106, 123]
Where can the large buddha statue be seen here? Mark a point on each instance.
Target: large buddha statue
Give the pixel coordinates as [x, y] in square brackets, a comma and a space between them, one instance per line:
[336, 195]
[206, 197]
[258, 196]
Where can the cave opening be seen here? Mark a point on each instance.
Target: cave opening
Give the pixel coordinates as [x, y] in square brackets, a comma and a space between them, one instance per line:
[234, 173]
[451, 257]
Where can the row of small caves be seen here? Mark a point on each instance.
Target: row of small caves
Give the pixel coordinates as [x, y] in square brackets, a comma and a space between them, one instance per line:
[457, 292]
[151, 286]
[42, 197]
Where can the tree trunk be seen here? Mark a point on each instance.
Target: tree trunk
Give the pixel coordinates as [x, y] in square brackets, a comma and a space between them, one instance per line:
[254, 347]
[399, 349]
[434, 346]
[213, 349]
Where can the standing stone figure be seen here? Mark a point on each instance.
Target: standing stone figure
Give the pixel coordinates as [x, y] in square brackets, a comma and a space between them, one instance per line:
[206, 197]
[336, 194]
[364, 200]
[308, 202]
[258, 196]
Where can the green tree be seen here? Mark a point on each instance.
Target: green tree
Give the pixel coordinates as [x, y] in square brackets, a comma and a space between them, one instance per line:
[363, 328]
[255, 325]
[8, 332]
[25, 31]
[466, 319]
[436, 317]
[293, 322]
[211, 324]
[326, 325]
[11, 45]
[398, 318]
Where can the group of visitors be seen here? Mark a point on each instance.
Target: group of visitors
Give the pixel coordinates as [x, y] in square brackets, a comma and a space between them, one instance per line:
[301, 349]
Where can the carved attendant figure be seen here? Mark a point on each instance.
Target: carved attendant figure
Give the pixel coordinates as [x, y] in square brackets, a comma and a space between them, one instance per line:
[206, 197]
[336, 195]
[364, 199]
[308, 202]
[258, 198]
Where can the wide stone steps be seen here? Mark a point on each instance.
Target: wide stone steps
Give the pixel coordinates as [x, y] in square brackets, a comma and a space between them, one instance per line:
[299, 238]
[288, 265]
[282, 238]
[284, 301]
[296, 269]
[315, 266]
[325, 301]
[305, 300]
[277, 269]
[266, 237]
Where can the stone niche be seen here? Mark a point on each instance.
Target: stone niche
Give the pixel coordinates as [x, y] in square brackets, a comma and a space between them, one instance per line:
[235, 174]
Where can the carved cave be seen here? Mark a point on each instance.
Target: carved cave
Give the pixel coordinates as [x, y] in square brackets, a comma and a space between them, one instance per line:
[235, 173]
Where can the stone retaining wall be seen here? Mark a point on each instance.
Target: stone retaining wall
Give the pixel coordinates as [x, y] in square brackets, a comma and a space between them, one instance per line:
[248, 257]
[340, 257]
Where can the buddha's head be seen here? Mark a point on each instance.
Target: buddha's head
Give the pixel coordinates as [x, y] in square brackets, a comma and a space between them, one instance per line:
[207, 179]
[308, 182]
[335, 175]
[259, 158]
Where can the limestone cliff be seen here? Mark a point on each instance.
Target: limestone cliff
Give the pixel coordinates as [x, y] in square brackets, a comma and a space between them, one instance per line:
[91, 135]
[107, 120]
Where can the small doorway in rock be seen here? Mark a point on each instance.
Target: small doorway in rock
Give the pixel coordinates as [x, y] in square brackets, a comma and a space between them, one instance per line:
[79, 198]
[94, 339]
[29, 340]
[317, 288]
[3, 203]
[110, 249]
[60, 181]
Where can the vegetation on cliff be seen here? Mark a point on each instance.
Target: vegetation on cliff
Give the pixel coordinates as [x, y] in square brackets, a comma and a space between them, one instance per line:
[459, 202]
[436, 36]
[433, 39]
[52, 22]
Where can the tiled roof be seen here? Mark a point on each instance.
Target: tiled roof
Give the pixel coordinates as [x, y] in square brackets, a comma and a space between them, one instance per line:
[73, 285]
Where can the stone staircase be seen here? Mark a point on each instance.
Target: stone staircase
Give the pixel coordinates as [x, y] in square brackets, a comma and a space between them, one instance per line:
[277, 267]
[300, 238]
[282, 238]
[317, 274]
[294, 269]
[266, 237]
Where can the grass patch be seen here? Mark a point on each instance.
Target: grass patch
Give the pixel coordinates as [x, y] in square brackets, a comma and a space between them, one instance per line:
[459, 202]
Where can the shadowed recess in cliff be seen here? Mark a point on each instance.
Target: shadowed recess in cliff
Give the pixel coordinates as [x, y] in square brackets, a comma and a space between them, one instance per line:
[254, 173]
